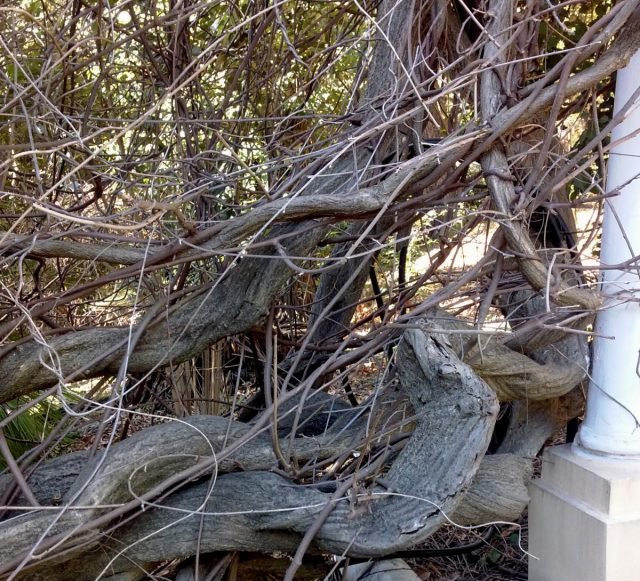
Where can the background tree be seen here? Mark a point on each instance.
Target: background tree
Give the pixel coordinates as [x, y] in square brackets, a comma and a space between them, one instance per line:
[237, 217]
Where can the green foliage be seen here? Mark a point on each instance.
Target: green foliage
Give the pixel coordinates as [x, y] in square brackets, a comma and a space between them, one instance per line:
[29, 428]
[208, 108]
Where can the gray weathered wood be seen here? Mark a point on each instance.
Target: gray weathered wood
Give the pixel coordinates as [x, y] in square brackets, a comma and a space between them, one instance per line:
[263, 511]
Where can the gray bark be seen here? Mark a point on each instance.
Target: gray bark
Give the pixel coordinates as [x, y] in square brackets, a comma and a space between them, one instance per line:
[340, 290]
[226, 311]
[448, 398]
[243, 296]
[259, 510]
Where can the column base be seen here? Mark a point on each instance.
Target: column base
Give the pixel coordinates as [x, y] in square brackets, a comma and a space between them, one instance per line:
[584, 519]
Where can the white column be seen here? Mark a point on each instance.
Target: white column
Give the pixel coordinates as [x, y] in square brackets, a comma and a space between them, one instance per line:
[584, 514]
[612, 424]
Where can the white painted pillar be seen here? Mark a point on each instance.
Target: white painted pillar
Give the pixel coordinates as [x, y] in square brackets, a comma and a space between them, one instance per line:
[612, 424]
[584, 514]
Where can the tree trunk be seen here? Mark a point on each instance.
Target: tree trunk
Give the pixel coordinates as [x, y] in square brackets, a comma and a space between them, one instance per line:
[261, 511]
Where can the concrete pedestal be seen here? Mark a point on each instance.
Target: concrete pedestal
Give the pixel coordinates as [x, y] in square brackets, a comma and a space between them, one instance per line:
[584, 519]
